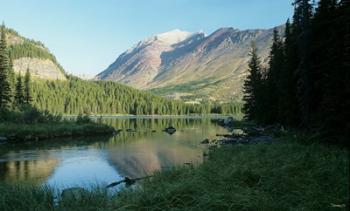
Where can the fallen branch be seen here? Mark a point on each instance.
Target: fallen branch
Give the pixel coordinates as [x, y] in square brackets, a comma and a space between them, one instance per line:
[128, 181]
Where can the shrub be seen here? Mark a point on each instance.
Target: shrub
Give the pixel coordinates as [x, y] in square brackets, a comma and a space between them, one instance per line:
[81, 119]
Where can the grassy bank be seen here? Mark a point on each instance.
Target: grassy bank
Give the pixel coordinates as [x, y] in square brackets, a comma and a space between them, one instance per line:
[281, 175]
[28, 124]
[41, 131]
[265, 176]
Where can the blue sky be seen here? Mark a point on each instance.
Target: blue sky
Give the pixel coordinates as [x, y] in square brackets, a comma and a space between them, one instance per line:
[88, 35]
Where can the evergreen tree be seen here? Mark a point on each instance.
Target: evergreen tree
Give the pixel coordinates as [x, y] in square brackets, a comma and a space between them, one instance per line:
[308, 77]
[19, 96]
[5, 89]
[321, 50]
[251, 86]
[12, 80]
[334, 113]
[302, 30]
[274, 80]
[27, 94]
[286, 81]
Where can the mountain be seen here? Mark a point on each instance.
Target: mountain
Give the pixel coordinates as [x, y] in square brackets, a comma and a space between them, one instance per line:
[191, 66]
[33, 55]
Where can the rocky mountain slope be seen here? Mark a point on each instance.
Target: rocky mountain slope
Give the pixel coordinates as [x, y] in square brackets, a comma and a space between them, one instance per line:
[33, 55]
[191, 66]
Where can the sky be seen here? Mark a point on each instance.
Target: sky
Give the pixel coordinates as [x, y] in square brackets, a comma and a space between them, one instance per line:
[86, 36]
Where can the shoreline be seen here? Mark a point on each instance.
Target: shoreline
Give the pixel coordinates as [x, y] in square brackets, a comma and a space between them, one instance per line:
[17, 133]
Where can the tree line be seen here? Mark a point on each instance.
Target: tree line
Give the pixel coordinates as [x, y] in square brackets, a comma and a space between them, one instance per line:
[306, 83]
[76, 96]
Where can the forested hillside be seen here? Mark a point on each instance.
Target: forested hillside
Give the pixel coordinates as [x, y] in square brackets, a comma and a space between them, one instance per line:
[33, 55]
[76, 96]
[28, 48]
[307, 82]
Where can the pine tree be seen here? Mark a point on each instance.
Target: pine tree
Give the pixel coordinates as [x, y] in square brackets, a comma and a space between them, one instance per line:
[5, 89]
[12, 80]
[302, 28]
[19, 96]
[335, 111]
[274, 81]
[251, 86]
[27, 95]
[321, 50]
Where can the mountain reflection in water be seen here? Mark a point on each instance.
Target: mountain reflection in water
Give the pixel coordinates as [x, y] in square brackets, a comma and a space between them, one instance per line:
[85, 161]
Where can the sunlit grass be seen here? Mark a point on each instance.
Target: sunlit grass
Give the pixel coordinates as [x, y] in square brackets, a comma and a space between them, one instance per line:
[41, 131]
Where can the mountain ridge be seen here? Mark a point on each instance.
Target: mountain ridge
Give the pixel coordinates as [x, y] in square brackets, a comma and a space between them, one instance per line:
[212, 67]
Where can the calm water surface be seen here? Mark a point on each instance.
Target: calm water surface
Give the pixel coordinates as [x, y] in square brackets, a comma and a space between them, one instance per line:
[138, 150]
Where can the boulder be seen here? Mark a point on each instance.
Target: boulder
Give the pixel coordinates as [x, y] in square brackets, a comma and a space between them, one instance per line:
[205, 141]
[228, 121]
[170, 130]
[3, 139]
[262, 139]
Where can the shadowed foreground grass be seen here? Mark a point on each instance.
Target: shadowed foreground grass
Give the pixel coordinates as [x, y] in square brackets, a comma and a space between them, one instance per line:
[282, 175]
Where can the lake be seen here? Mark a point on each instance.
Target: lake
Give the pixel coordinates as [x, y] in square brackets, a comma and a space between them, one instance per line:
[139, 149]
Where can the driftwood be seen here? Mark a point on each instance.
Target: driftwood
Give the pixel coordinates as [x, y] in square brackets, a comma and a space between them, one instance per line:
[128, 181]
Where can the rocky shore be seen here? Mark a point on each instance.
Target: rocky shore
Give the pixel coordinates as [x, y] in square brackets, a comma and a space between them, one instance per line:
[243, 133]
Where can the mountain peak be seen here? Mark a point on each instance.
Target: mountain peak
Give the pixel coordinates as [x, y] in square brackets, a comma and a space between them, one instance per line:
[178, 58]
[173, 36]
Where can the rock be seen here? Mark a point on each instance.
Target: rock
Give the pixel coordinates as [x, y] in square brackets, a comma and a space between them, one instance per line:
[214, 141]
[74, 193]
[239, 132]
[238, 140]
[262, 139]
[39, 68]
[3, 139]
[228, 121]
[170, 130]
[205, 141]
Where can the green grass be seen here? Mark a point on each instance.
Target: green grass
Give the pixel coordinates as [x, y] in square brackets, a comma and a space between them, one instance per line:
[274, 176]
[42, 131]
[280, 175]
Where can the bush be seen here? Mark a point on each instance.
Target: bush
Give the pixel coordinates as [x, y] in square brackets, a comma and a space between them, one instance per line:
[82, 119]
[28, 114]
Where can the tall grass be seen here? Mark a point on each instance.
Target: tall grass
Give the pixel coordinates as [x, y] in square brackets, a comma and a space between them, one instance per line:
[274, 176]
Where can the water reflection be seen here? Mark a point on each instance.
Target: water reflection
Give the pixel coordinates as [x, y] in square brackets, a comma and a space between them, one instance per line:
[70, 162]
[24, 170]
